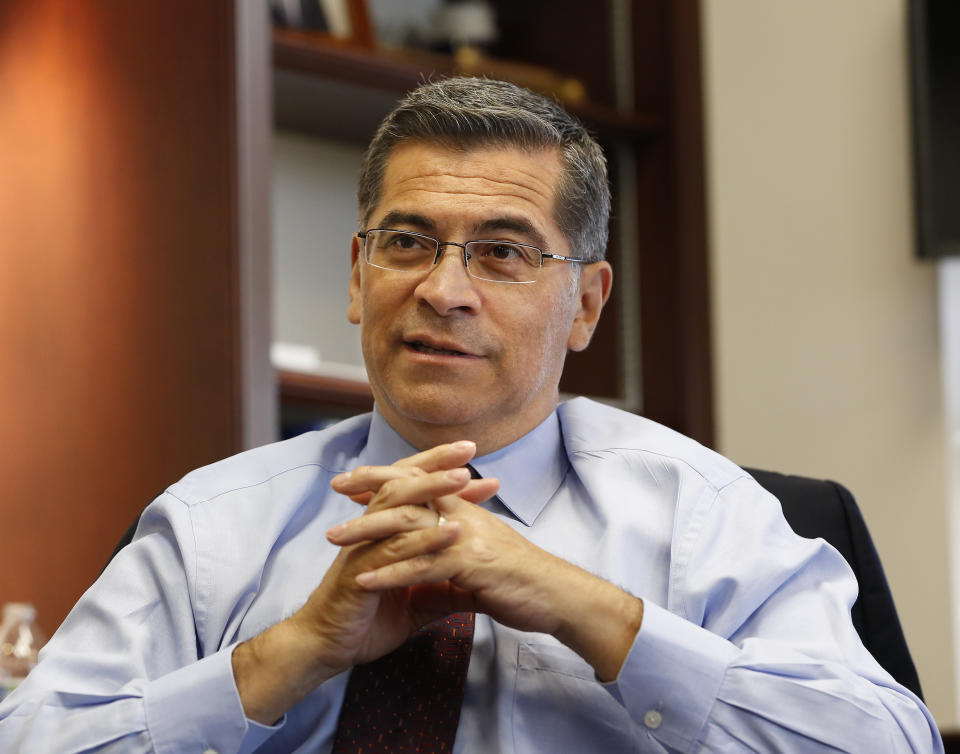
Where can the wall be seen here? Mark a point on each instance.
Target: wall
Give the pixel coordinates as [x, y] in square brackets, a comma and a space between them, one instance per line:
[117, 263]
[825, 327]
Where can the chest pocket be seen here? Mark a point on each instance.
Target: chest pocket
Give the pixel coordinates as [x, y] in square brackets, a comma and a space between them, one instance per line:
[559, 703]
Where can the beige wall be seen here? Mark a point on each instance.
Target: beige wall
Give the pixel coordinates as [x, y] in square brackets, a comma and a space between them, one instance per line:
[825, 327]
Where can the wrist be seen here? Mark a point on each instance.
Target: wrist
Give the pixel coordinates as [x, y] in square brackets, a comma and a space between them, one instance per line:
[276, 669]
[600, 624]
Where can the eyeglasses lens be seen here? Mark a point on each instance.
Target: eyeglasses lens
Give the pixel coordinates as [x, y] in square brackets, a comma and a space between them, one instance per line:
[498, 261]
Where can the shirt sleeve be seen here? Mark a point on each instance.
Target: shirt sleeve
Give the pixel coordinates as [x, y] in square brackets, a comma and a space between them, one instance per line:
[125, 671]
[755, 649]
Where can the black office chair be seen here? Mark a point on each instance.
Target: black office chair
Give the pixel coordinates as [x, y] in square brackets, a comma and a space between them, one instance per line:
[825, 509]
[814, 509]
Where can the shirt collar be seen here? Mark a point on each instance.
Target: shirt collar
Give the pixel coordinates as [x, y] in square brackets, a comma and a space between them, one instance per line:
[530, 470]
[384, 445]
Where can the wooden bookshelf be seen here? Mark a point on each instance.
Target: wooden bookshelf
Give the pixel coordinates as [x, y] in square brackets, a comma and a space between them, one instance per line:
[396, 71]
[324, 392]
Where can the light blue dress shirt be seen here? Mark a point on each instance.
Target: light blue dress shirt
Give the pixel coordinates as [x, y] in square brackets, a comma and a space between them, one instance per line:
[746, 642]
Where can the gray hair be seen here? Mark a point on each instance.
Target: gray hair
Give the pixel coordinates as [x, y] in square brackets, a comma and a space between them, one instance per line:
[467, 113]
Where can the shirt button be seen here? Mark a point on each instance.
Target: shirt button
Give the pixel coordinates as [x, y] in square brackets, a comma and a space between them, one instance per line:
[652, 719]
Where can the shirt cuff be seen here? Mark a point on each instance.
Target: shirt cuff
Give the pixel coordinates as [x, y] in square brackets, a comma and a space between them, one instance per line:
[198, 708]
[670, 679]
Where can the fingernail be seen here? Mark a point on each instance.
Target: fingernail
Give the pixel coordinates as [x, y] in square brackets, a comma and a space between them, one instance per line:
[340, 478]
[465, 445]
[366, 578]
[458, 475]
[336, 531]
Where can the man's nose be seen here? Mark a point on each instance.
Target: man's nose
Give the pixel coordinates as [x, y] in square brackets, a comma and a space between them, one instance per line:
[448, 287]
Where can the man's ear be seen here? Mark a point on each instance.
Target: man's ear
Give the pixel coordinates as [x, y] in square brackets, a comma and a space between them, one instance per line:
[594, 290]
[355, 307]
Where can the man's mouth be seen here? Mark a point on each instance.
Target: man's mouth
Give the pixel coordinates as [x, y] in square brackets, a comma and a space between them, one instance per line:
[419, 345]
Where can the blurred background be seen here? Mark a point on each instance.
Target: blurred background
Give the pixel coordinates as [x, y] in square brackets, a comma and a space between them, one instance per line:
[177, 197]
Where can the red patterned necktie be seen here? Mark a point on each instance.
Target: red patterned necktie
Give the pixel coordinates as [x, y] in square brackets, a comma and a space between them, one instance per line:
[410, 699]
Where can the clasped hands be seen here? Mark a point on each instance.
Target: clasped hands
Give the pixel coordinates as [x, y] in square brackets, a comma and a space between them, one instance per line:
[397, 570]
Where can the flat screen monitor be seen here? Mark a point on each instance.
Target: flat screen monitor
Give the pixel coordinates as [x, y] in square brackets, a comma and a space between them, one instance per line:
[935, 79]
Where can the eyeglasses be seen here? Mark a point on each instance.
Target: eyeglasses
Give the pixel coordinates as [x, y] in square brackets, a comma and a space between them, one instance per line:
[497, 261]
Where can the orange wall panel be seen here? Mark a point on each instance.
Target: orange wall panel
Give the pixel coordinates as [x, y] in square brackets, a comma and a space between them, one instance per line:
[117, 274]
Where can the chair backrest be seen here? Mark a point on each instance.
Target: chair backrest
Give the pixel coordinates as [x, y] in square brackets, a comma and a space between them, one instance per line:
[816, 508]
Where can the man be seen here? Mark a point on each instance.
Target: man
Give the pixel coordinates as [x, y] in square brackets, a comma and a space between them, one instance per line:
[632, 591]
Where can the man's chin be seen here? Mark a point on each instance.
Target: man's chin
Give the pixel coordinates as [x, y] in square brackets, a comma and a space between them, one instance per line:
[437, 413]
[431, 406]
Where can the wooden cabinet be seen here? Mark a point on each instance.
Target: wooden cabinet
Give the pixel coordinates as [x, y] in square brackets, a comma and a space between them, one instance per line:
[120, 323]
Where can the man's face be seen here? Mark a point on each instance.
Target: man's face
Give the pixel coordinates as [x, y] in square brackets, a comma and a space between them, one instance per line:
[449, 356]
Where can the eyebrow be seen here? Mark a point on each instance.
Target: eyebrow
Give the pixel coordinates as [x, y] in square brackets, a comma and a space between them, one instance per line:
[487, 227]
[515, 224]
[396, 217]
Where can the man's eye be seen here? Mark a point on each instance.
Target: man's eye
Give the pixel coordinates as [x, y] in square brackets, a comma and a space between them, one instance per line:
[502, 252]
[404, 241]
